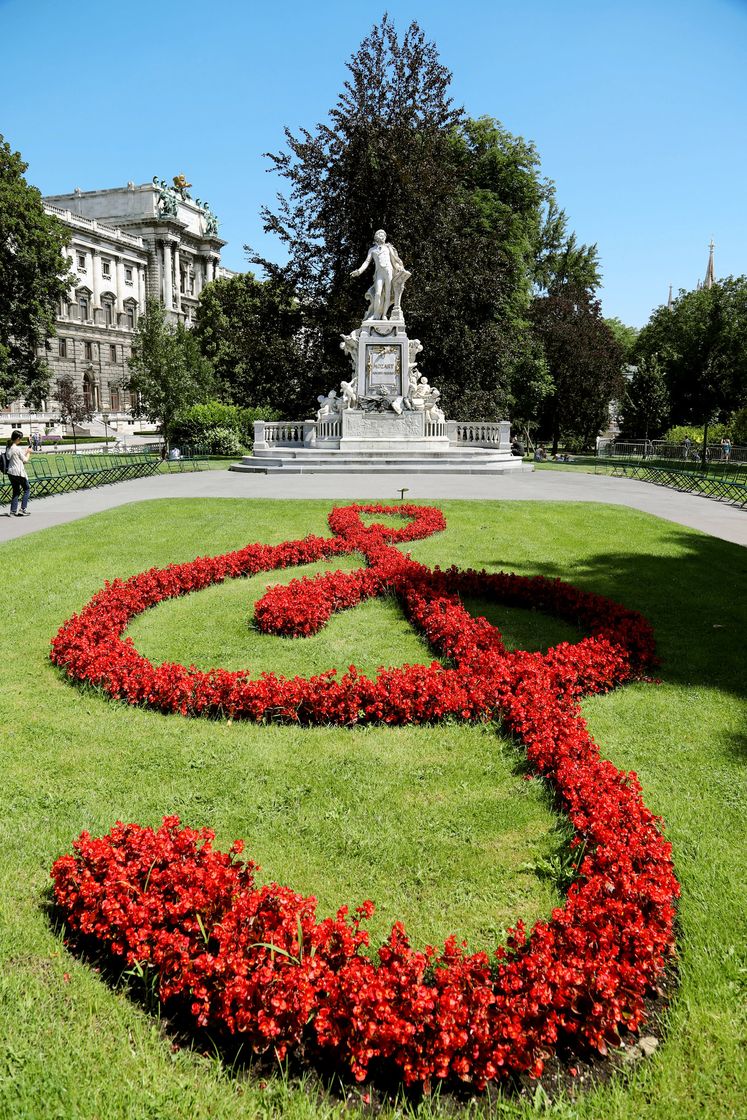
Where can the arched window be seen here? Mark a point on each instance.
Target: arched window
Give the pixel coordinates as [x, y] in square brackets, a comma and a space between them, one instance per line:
[107, 302]
[90, 393]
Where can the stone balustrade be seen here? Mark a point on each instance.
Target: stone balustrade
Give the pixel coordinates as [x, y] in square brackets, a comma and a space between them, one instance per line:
[479, 434]
[92, 223]
[328, 431]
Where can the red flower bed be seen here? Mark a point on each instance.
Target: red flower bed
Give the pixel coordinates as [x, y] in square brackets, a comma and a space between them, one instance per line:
[255, 960]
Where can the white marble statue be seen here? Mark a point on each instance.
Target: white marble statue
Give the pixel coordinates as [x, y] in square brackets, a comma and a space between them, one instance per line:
[350, 345]
[349, 395]
[329, 405]
[390, 277]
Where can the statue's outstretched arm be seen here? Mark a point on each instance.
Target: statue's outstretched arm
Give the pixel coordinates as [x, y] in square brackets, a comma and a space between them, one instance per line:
[364, 266]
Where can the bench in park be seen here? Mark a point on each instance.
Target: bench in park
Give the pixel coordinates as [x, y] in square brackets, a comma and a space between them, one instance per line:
[58, 474]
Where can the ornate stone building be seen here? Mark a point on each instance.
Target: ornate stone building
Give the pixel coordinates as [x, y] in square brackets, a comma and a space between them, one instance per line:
[128, 244]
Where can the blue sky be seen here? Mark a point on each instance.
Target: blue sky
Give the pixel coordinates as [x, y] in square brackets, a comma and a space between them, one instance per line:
[638, 110]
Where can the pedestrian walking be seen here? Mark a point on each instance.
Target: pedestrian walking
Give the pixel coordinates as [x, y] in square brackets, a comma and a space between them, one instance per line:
[17, 457]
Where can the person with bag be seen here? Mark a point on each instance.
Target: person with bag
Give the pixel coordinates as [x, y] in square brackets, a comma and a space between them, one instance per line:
[16, 459]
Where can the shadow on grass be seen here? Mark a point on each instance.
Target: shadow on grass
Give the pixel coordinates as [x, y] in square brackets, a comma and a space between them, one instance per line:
[695, 599]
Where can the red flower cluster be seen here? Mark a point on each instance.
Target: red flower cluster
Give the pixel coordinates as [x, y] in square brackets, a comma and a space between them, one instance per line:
[255, 961]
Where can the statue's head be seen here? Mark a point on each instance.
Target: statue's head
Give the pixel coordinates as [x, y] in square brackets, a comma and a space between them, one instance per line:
[380, 236]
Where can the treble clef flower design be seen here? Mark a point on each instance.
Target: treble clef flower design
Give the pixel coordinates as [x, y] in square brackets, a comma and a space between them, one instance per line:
[580, 978]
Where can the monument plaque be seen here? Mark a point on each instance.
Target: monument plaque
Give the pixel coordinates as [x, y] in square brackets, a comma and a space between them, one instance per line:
[383, 367]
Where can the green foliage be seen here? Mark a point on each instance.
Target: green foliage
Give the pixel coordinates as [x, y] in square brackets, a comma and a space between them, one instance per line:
[625, 336]
[220, 441]
[701, 344]
[167, 370]
[206, 425]
[645, 407]
[585, 362]
[33, 280]
[250, 333]
[559, 259]
[462, 200]
[738, 427]
[679, 432]
[71, 404]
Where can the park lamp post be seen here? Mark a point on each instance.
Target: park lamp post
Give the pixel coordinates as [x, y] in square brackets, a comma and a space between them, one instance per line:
[105, 418]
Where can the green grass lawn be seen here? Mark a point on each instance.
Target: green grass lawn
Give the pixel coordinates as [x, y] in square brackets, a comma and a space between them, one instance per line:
[435, 824]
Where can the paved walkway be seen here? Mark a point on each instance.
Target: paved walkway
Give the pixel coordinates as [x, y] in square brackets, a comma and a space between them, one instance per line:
[716, 518]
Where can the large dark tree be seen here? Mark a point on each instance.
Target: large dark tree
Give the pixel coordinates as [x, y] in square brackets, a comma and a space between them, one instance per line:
[585, 362]
[251, 333]
[461, 200]
[33, 280]
[701, 346]
[645, 406]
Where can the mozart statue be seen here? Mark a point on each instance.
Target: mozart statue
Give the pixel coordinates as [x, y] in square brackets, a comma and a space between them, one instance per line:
[390, 277]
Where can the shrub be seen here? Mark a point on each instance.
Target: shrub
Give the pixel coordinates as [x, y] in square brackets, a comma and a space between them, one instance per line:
[220, 441]
[694, 432]
[206, 425]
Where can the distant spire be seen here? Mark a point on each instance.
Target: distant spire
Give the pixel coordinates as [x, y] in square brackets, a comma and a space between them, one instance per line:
[670, 301]
[710, 276]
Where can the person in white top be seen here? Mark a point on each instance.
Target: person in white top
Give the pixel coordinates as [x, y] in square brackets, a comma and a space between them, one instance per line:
[18, 457]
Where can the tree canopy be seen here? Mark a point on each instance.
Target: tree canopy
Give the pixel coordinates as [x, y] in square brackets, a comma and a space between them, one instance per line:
[251, 332]
[463, 201]
[701, 345]
[585, 362]
[168, 373]
[33, 280]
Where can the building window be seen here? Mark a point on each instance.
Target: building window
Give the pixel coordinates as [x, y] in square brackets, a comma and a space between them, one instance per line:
[131, 317]
[128, 275]
[108, 312]
[83, 308]
[82, 261]
[106, 269]
[63, 347]
[88, 351]
[113, 353]
[114, 395]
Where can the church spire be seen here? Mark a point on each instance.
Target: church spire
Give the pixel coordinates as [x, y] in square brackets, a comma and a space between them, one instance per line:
[710, 277]
[670, 301]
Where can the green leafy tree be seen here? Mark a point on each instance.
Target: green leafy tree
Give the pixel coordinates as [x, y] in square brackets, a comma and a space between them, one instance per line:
[250, 332]
[560, 260]
[585, 362]
[738, 427]
[71, 405]
[701, 345]
[626, 336]
[645, 408]
[168, 371]
[33, 280]
[461, 200]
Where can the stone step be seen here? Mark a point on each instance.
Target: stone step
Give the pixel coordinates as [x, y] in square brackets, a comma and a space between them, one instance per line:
[367, 466]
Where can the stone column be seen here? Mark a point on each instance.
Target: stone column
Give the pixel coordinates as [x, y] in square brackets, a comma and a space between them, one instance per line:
[120, 288]
[96, 281]
[177, 280]
[167, 291]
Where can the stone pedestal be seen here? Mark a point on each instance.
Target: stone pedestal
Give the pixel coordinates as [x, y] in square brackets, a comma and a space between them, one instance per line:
[386, 431]
[383, 358]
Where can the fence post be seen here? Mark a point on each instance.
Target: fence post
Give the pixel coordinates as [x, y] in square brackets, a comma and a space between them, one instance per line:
[259, 434]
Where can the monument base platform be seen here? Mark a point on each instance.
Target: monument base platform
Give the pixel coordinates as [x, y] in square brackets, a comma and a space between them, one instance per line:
[302, 460]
